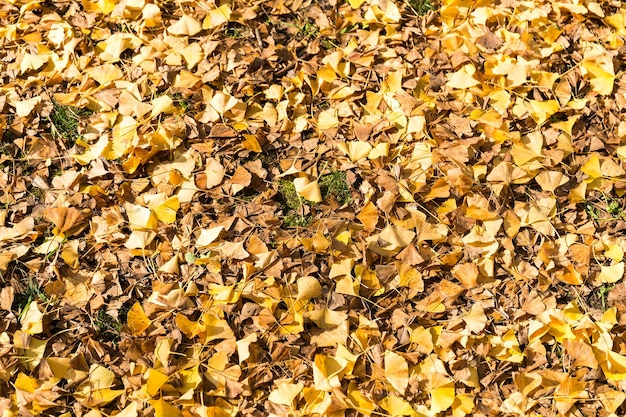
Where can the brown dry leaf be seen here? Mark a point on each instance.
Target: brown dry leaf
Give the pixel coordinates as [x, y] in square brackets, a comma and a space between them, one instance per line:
[234, 250]
[240, 180]
[67, 220]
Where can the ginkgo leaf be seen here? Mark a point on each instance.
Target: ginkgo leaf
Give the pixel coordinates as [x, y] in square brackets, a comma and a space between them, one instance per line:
[285, 393]
[66, 219]
[137, 319]
[551, 180]
[611, 169]
[355, 4]
[390, 240]
[214, 173]
[463, 405]
[592, 167]
[23, 108]
[187, 25]
[308, 287]
[355, 150]
[602, 81]
[171, 266]
[32, 319]
[140, 239]
[611, 274]
[217, 17]
[326, 372]
[243, 347]
[162, 104]
[396, 406]
[463, 78]
[307, 189]
[164, 208]
[234, 250]
[163, 408]
[476, 320]
[327, 119]
[396, 371]
[442, 393]
[240, 180]
[162, 351]
[208, 236]
[155, 381]
[129, 411]
[369, 216]
[140, 218]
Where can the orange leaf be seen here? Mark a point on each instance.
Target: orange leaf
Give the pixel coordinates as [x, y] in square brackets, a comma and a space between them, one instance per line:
[137, 319]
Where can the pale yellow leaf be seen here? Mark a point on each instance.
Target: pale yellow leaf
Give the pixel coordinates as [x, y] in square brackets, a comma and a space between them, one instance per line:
[328, 119]
[208, 236]
[355, 150]
[187, 25]
[214, 173]
[308, 287]
[463, 78]
[396, 371]
[611, 274]
[32, 321]
[309, 190]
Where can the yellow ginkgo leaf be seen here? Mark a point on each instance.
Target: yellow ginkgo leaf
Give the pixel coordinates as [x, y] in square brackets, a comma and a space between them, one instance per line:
[551, 180]
[396, 406]
[463, 78]
[327, 119]
[592, 168]
[208, 236]
[32, 321]
[476, 320]
[396, 371]
[309, 190]
[129, 411]
[162, 104]
[611, 274]
[217, 17]
[155, 381]
[441, 390]
[308, 287]
[326, 372]
[187, 26]
[163, 408]
[355, 150]
[602, 81]
[355, 4]
[540, 111]
[285, 392]
[463, 405]
[166, 212]
[140, 218]
[137, 319]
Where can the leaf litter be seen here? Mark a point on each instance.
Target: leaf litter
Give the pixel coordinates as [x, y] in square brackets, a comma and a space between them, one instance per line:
[312, 208]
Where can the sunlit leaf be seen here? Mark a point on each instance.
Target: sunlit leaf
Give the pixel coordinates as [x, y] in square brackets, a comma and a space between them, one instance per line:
[137, 319]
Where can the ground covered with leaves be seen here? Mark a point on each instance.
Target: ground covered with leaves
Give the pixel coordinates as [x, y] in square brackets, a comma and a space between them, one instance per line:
[300, 208]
